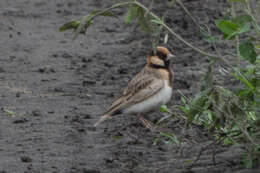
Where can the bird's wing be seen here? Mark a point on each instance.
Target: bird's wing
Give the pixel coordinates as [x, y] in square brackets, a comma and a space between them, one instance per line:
[139, 81]
[143, 89]
[138, 90]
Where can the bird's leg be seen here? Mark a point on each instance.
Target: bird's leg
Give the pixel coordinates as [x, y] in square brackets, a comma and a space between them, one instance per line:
[148, 124]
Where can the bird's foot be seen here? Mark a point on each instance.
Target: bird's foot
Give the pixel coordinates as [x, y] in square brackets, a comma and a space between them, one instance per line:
[148, 124]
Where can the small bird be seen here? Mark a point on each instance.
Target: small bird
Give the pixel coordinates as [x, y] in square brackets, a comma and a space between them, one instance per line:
[148, 90]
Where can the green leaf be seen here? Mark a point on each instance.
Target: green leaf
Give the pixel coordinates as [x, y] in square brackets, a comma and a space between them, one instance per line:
[209, 38]
[244, 93]
[247, 51]
[213, 39]
[85, 23]
[172, 137]
[197, 104]
[242, 19]
[70, 25]
[243, 79]
[248, 160]
[244, 29]
[208, 79]
[164, 108]
[131, 14]
[143, 20]
[184, 110]
[9, 112]
[156, 21]
[227, 27]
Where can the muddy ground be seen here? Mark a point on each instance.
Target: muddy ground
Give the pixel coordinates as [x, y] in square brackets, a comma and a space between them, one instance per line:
[53, 89]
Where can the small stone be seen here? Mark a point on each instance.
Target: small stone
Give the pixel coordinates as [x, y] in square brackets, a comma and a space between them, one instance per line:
[107, 29]
[26, 159]
[18, 121]
[86, 60]
[81, 130]
[88, 82]
[1, 70]
[122, 70]
[87, 116]
[12, 57]
[58, 89]
[51, 112]
[36, 113]
[66, 55]
[18, 94]
[41, 70]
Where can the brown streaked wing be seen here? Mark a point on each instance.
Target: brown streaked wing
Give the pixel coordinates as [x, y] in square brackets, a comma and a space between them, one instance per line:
[139, 81]
[146, 92]
[143, 86]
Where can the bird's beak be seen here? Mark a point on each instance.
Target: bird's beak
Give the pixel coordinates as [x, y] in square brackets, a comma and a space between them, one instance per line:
[170, 56]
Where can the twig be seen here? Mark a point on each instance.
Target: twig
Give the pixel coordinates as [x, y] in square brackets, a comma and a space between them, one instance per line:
[188, 13]
[233, 13]
[177, 35]
[249, 12]
[217, 141]
[149, 8]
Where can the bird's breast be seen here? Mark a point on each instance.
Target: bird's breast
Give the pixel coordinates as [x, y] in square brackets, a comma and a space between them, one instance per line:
[152, 103]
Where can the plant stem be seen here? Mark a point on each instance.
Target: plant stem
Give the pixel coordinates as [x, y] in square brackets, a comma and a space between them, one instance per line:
[177, 35]
[188, 13]
[233, 13]
[249, 12]
[112, 7]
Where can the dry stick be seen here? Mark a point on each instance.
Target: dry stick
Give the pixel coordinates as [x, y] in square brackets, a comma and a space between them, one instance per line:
[214, 151]
[149, 9]
[188, 13]
[233, 13]
[249, 12]
[214, 44]
[217, 141]
[198, 25]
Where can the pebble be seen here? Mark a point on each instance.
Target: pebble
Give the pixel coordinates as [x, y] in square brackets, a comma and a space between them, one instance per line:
[26, 159]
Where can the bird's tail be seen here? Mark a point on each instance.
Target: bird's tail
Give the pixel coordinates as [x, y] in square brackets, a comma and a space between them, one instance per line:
[103, 118]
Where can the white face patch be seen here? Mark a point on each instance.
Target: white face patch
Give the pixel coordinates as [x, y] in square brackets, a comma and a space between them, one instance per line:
[157, 61]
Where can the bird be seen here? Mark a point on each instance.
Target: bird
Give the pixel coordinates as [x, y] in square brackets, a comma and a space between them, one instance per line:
[147, 91]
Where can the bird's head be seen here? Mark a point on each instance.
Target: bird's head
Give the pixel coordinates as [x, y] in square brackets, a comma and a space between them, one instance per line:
[160, 59]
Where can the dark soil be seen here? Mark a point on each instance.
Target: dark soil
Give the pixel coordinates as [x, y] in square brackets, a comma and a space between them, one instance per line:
[53, 89]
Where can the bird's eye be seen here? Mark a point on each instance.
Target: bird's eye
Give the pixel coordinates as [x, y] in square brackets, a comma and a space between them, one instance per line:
[161, 55]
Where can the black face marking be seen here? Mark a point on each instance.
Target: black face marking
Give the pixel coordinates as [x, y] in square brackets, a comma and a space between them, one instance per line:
[163, 57]
[157, 66]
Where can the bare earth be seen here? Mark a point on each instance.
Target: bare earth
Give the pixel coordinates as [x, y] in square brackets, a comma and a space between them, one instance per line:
[53, 89]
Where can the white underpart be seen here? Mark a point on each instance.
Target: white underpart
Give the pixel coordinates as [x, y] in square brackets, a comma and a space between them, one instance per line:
[153, 103]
